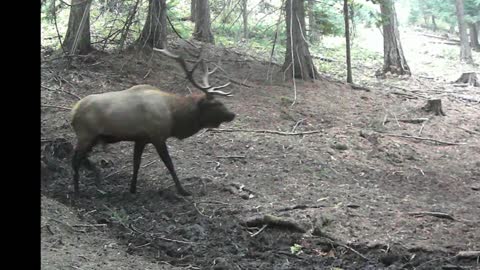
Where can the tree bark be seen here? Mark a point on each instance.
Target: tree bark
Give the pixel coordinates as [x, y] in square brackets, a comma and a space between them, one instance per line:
[192, 10]
[297, 47]
[465, 49]
[434, 24]
[203, 31]
[347, 41]
[394, 60]
[474, 37]
[154, 33]
[312, 25]
[77, 38]
[245, 18]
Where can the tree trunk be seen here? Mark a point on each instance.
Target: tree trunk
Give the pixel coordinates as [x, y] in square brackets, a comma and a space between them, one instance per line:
[434, 24]
[154, 33]
[347, 40]
[203, 31]
[192, 10]
[312, 25]
[394, 60]
[465, 50]
[245, 18]
[77, 38]
[474, 36]
[297, 47]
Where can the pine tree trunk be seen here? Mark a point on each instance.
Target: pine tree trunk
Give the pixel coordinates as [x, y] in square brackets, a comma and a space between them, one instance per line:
[78, 42]
[154, 33]
[312, 25]
[302, 61]
[474, 37]
[347, 40]
[434, 24]
[192, 10]
[203, 31]
[394, 60]
[465, 50]
[245, 18]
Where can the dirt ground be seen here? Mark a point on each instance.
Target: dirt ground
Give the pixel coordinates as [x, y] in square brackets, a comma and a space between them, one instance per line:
[361, 192]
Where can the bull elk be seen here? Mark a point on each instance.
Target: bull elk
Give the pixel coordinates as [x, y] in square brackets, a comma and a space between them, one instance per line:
[144, 114]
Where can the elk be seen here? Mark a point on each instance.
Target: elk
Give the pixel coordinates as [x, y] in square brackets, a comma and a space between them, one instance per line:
[144, 114]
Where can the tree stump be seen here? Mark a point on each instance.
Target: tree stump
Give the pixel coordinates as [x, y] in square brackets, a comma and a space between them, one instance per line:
[469, 78]
[434, 105]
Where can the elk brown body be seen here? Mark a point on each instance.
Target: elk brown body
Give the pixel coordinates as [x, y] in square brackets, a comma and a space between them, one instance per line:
[144, 114]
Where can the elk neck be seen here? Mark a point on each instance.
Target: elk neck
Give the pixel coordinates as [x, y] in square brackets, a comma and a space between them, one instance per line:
[185, 116]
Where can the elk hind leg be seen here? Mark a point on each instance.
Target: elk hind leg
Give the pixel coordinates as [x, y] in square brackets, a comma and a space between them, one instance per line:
[137, 158]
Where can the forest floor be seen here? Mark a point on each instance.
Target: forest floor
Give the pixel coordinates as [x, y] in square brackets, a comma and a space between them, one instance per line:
[384, 184]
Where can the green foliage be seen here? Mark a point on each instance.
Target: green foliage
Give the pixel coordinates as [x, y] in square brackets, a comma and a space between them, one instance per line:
[421, 12]
[329, 17]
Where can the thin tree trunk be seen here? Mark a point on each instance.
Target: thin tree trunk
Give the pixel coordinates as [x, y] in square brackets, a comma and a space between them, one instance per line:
[474, 37]
[465, 50]
[154, 33]
[394, 60]
[77, 38]
[203, 31]
[434, 24]
[245, 18]
[192, 10]
[347, 39]
[297, 47]
[312, 35]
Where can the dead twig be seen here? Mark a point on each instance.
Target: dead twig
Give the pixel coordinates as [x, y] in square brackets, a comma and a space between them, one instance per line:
[421, 138]
[300, 206]
[174, 241]
[89, 225]
[60, 91]
[259, 231]
[469, 131]
[333, 242]
[55, 106]
[264, 131]
[434, 214]
[296, 124]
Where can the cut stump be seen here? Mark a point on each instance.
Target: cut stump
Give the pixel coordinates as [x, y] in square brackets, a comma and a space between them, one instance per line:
[434, 105]
[469, 78]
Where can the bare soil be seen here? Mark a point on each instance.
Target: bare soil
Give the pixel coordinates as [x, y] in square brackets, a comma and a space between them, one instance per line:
[354, 186]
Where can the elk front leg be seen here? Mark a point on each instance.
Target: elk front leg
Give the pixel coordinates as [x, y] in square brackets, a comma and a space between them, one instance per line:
[165, 156]
[137, 159]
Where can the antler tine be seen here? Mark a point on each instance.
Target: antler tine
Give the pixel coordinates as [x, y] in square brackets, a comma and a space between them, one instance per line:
[207, 89]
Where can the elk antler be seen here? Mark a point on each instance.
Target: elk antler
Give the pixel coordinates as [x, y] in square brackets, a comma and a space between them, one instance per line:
[209, 90]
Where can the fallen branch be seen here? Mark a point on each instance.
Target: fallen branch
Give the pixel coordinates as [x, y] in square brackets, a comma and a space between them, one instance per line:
[273, 221]
[300, 206]
[57, 107]
[421, 138]
[412, 121]
[434, 214]
[469, 254]
[470, 131]
[264, 131]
